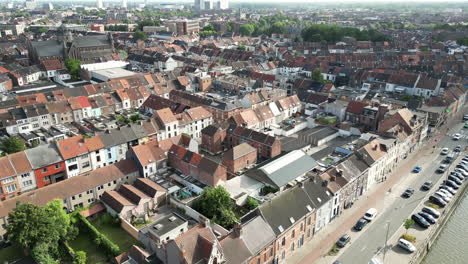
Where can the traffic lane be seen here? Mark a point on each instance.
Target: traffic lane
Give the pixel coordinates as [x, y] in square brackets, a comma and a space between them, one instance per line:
[373, 238]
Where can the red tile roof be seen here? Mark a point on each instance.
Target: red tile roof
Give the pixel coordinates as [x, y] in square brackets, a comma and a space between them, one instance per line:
[356, 107]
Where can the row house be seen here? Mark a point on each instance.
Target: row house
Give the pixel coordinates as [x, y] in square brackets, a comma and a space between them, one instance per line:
[155, 102]
[193, 120]
[134, 200]
[267, 146]
[80, 191]
[149, 158]
[47, 164]
[75, 153]
[197, 166]
[16, 175]
[80, 107]
[240, 157]
[26, 119]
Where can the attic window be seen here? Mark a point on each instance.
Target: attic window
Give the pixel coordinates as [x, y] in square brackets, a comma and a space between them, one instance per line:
[309, 208]
[281, 229]
[292, 220]
[172, 218]
[158, 227]
[320, 200]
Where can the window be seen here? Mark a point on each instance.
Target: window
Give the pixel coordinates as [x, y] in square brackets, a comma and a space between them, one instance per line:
[109, 155]
[98, 158]
[283, 255]
[86, 164]
[11, 188]
[271, 252]
[84, 156]
[292, 247]
[47, 178]
[73, 197]
[35, 125]
[45, 169]
[293, 234]
[308, 233]
[302, 226]
[28, 183]
[309, 220]
[258, 260]
[24, 175]
[283, 241]
[8, 180]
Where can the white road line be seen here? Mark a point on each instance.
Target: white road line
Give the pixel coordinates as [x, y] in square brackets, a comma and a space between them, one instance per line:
[364, 248]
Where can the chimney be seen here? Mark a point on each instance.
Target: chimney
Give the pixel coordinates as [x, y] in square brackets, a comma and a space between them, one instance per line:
[237, 229]
[332, 178]
[375, 147]
[339, 172]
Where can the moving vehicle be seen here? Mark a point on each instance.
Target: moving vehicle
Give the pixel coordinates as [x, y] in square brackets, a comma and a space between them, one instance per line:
[406, 245]
[420, 221]
[343, 241]
[407, 193]
[457, 136]
[427, 186]
[441, 168]
[450, 158]
[431, 211]
[444, 151]
[438, 201]
[360, 224]
[370, 214]
[428, 217]
[417, 169]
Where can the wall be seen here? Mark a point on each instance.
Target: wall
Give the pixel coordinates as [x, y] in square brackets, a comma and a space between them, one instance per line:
[129, 228]
[51, 170]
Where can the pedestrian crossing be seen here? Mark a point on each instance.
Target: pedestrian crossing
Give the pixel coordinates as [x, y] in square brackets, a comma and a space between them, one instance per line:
[462, 136]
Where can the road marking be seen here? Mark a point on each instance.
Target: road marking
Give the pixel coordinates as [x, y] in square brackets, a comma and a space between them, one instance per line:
[364, 248]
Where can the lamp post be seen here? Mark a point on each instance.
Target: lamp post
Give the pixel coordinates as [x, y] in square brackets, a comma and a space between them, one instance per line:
[386, 240]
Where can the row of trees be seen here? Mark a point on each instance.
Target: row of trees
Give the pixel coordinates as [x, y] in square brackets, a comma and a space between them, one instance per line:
[320, 32]
[117, 28]
[277, 24]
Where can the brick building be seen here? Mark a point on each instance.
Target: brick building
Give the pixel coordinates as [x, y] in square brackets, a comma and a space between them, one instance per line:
[240, 157]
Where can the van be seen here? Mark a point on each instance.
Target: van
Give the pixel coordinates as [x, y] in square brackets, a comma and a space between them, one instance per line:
[442, 168]
[450, 157]
[370, 214]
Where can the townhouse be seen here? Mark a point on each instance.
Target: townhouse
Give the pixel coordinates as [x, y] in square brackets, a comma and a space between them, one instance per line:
[16, 175]
[79, 191]
[76, 155]
[149, 158]
[47, 164]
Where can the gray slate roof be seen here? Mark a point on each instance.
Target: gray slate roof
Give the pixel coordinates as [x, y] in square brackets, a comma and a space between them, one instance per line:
[43, 155]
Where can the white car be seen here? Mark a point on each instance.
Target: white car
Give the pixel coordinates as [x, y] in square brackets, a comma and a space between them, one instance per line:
[370, 214]
[457, 136]
[462, 171]
[442, 196]
[405, 244]
[444, 151]
[447, 193]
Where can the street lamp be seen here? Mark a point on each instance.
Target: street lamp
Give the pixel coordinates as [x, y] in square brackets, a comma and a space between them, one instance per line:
[386, 240]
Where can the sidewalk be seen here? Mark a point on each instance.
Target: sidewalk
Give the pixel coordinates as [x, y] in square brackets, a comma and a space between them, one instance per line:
[316, 250]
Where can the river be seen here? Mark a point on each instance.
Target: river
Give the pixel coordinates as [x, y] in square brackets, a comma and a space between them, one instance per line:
[451, 246]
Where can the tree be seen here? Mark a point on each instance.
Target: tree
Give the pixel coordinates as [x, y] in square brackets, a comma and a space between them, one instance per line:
[247, 29]
[135, 117]
[251, 203]
[73, 67]
[317, 75]
[43, 29]
[39, 229]
[145, 23]
[216, 204]
[123, 53]
[126, 21]
[80, 257]
[140, 35]
[208, 28]
[408, 224]
[11, 145]
[241, 47]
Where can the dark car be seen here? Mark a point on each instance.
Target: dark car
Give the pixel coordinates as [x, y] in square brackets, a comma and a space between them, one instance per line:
[455, 179]
[428, 217]
[431, 211]
[438, 201]
[360, 224]
[449, 189]
[457, 148]
[407, 193]
[343, 241]
[458, 175]
[420, 221]
[427, 186]
[461, 166]
[452, 184]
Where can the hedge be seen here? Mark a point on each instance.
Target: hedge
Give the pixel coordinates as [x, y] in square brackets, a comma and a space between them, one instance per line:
[100, 239]
[409, 238]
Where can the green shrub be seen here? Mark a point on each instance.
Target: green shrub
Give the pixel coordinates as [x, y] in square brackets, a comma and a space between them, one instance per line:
[100, 239]
[251, 203]
[435, 206]
[408, 237]
[80, 257]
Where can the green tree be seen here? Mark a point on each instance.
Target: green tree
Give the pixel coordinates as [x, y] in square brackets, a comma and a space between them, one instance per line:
[145, 23]
[135, 117]
[251, 203]
[73, 67]
[247, 29]
[408, 223]
[241, 47]
[208, 28]
[123, 53]
[12, 144]
[126, 21]
[317, 75]
[216, 204]
[140, 35]
[43, 29]
[80, 257]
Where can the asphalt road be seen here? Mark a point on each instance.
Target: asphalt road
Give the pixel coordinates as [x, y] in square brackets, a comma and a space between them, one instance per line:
[372, 239]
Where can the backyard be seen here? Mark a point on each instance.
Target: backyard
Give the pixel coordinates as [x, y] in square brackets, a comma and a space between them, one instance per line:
[113, 231]
[11, 254]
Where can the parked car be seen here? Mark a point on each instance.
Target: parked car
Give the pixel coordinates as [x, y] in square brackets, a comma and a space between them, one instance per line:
[446, 193]
[441, 168]
[457, 148]
[407, 193]
[417, 169]
[455, 179]
[466, 125]
[420, 221]
[343, 241]
[461, 166]
[431, 211]
[370, 214]
[465, 117]
[360, 224]
[438, 201]
[452, 184]
[462, 172]
[449, 189]
[458, 175]
[444, 151]
[428, 217]
[406, 245]
[457, 136]
[442, 196]
[427, 186]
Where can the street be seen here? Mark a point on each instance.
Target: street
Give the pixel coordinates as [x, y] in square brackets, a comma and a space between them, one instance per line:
[368, 242]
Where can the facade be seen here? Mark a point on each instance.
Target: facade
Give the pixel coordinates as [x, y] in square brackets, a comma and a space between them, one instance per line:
[240, 157]
[47, 164]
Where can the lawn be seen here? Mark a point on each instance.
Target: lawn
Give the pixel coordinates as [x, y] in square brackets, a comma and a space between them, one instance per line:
[84, 243]
[11, 254]
[115, 233]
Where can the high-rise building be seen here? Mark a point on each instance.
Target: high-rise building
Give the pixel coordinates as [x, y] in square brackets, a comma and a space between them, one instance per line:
[211, 4]
[124, 4]
[99, 4]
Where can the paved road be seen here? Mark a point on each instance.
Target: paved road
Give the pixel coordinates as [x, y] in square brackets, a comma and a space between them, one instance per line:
[373, 238]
